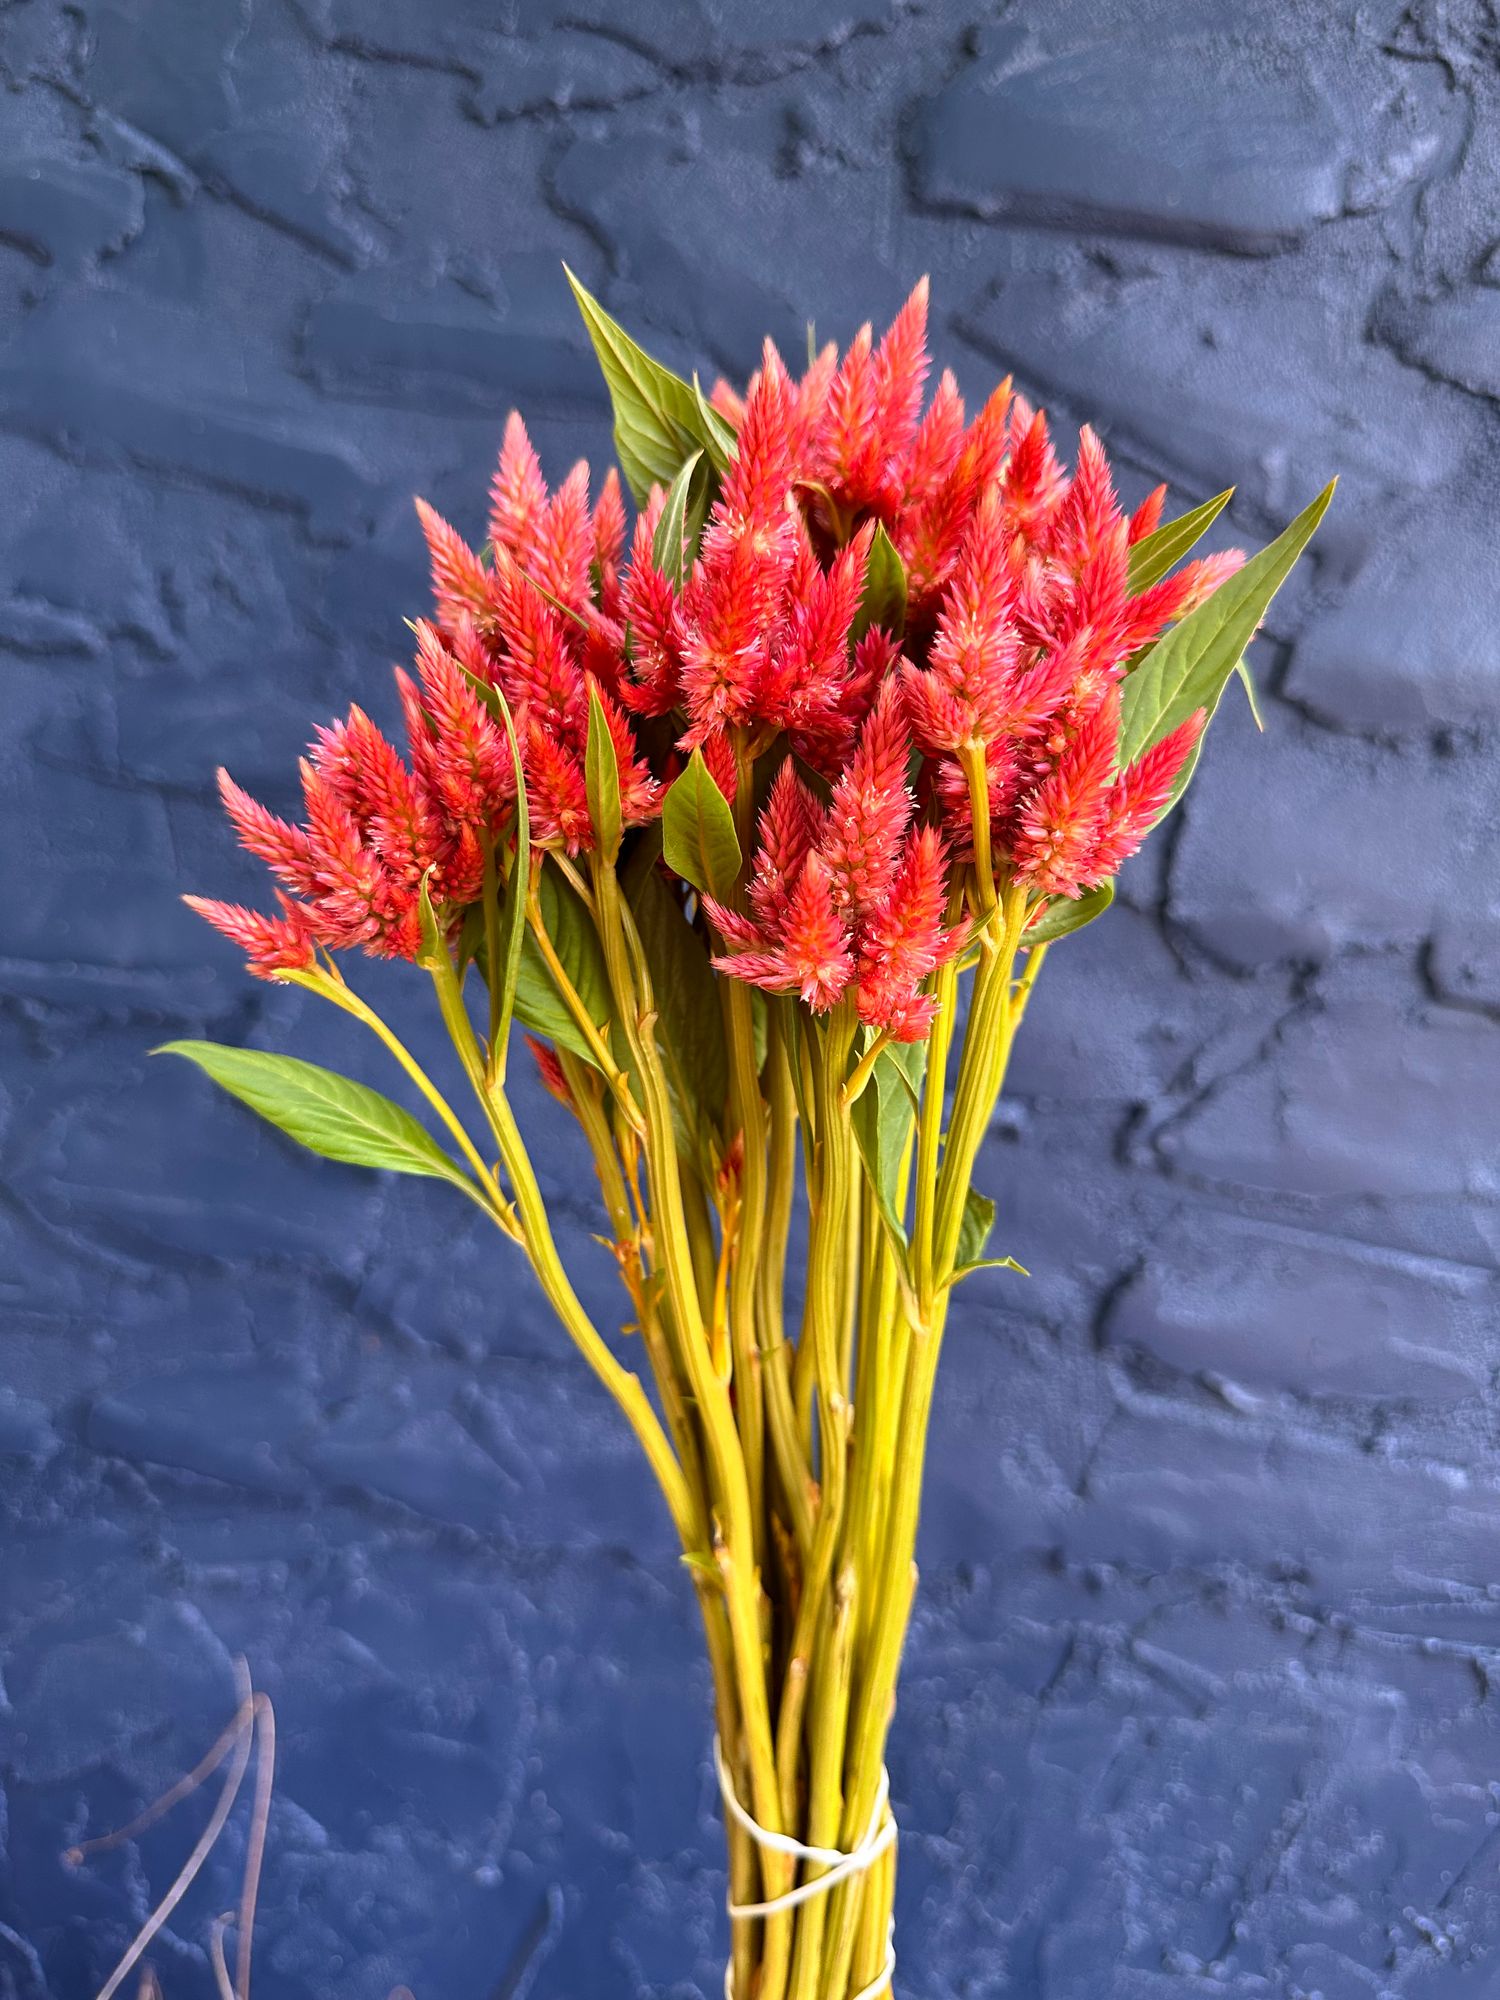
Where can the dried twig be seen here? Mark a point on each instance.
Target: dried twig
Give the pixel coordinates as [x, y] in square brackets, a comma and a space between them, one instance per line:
[252, 1729]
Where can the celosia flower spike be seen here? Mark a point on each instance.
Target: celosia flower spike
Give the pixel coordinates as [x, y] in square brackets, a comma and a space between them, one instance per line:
[905, 941]
[1019, 626]
[284, 848]
[869, 810]
[734, 604]
[518, 493]
[1139, 797]
[1061, 820]
[273, 946]
[470, 763]
[564, 542]
[366, 774]
[788, 826]
[900, 373]
[811, 956]
[1147, 517]
[550, 1070]
[609, 542]
[653, 683]
[460, 581]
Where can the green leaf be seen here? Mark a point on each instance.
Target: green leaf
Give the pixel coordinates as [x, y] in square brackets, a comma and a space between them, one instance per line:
[601, 779]
[882, 1117]
[659, 418]
[513, 918]
[974, 1230]
[1162, 550]
[539, 1005]
[434, 944]
[884, 600]
[698, 836]
[712, 422]
[987, 1264]
[327, 1113]
[676, 538]
[1252, 693]
[513, 921]
[1187, 668]
[690, 1032]
[489, 695]
[1063, 915]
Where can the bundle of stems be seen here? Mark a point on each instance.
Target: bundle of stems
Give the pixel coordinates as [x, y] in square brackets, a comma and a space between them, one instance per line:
[764, 836]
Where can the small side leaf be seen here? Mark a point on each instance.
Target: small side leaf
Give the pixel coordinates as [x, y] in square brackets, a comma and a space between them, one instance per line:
[691, 1031]
[1187, 668]
[676, 534]
[1064, 914]
[987, 1264]
[487, 694]
[1154, 554]
[434, 944]
[974, 1230]
[513, 918]
[698, 836]
[601, 779]
[884, 600]
[882, 1117]
[329, 1114]
[1252, 693]
[659, 418]
[538, 1004]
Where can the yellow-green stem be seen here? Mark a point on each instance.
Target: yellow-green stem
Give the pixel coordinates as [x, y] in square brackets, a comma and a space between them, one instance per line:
[981, 1074]
[631, 985]
[793, 1471]
[333, 986]
[541, 1250]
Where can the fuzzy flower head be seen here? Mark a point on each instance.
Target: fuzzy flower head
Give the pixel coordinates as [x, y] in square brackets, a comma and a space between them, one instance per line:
[847, 896]
[908, 613]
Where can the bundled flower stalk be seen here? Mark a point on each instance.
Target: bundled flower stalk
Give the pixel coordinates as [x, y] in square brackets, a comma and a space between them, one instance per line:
[759, 816]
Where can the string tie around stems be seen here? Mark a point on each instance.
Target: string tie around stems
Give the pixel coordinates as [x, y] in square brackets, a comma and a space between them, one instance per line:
[838, 1863]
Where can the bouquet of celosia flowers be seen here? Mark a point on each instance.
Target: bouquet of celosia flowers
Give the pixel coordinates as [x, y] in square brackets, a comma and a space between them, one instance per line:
[761, 817]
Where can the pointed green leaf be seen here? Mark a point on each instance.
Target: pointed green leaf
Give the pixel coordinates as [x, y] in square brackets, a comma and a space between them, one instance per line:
[576, 942]
[676, 537]
[601, 780]
[513, 917]
[1164, 548]
[489, 696]
[434, 944]
[698, 836]
[564, 610]
[659, 418]
[327, 1113]
[1064, 914]
[882, 1117]
[987, 1264]
[884, 600]
[1252, 693]
[538, 1005]
[1187, 668]
[712, 422]
[974, 1230]
[691, 1021]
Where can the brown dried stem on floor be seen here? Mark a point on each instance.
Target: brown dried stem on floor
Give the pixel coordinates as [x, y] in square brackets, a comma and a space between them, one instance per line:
[251, 1730]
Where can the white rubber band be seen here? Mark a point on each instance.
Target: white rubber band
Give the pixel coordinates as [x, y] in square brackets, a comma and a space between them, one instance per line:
[838, 1863]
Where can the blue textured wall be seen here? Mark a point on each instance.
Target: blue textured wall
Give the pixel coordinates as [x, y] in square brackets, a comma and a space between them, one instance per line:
[1200, 1698]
